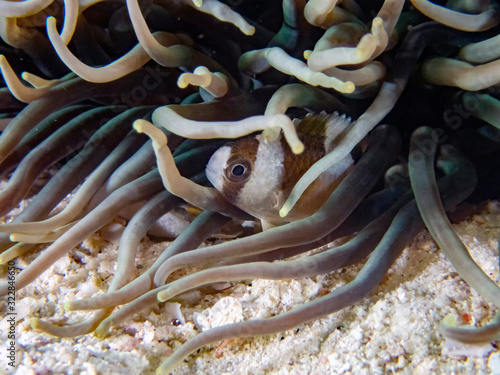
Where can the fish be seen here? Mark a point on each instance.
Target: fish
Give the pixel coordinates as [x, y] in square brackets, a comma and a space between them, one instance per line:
[257, 176]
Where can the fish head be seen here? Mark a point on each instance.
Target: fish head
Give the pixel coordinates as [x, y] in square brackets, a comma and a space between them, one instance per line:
[248, 173]
[257, 176]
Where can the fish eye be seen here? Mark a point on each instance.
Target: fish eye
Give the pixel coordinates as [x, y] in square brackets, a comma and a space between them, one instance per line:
[238, 170]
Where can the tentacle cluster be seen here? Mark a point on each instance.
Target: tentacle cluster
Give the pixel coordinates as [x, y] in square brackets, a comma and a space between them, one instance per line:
[83, 80]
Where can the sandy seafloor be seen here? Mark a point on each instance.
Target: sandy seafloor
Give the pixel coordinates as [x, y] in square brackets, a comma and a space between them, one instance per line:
[394, 331]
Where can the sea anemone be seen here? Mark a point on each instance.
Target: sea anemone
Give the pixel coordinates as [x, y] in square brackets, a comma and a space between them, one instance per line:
[84, 80]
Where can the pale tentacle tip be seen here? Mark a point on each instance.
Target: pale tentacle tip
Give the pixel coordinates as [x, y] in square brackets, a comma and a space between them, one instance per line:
[349, 87]
[361, 53]
[449, 320]
[162, 296]
[298, 148]
[377, 21]
[68, 306]
[182, 82]
[143, 126]
[198, 3]
[24, 75]
[139, 125]
[201, 70]
[164, 369]
[285, 210]
[34, 323]
[102, 330]
[157, 136]
[51, 22]
[250, 31]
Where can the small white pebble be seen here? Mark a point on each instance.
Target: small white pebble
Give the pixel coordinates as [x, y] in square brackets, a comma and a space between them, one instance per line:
[494, 363]
[226, 311]
[173, 311]
[455, 349]
[201, 321]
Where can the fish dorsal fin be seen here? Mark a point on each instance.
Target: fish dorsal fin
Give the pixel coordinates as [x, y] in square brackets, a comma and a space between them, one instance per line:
[312, 125]
[336, 127]
[329, 127]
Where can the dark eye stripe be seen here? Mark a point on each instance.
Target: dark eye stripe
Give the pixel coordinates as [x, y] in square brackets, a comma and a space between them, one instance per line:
[242, 149]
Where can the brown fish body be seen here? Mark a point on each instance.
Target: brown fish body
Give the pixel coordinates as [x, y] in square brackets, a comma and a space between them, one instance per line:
[258, 176]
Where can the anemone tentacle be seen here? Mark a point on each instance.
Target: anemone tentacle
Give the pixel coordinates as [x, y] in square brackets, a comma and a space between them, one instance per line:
[284, 100]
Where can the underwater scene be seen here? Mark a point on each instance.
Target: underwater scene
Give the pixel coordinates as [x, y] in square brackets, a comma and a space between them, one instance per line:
[249, 187]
